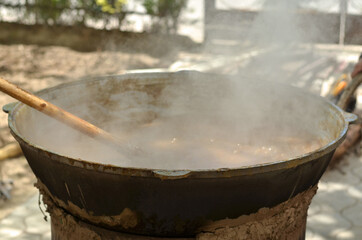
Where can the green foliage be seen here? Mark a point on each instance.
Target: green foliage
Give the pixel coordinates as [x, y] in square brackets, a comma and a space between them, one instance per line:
[150, 6]
[111, 6]
[50, 11]
[167, 11]
[91, 9]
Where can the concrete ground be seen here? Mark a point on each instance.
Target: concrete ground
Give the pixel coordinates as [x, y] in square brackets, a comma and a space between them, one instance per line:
[335, 212]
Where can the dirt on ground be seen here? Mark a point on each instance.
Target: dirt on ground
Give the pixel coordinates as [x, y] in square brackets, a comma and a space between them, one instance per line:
[36, 67]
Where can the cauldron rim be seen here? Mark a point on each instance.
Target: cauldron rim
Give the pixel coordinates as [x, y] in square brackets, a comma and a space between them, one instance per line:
[175, 174]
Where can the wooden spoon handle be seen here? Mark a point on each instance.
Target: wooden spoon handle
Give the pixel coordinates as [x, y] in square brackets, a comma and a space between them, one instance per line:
[57, 113]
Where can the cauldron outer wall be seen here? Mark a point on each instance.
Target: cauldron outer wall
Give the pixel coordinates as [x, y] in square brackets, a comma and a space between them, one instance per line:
[171, 207]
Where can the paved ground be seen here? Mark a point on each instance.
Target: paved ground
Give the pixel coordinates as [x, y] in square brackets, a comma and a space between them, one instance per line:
[335, 212]
[26, 222]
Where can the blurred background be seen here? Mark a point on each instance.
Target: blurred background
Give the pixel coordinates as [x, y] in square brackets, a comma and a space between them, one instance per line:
[311, 44]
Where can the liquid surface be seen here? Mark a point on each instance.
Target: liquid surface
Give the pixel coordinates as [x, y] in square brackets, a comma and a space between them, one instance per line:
[180, 143]
[212, 146]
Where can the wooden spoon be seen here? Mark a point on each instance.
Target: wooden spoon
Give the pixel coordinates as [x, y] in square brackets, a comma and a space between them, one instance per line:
[65, 117]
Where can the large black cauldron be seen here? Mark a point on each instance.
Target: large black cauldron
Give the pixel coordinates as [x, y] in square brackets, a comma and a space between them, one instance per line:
[163, 202]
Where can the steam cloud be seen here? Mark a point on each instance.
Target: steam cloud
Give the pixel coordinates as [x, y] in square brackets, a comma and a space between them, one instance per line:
[194, 122]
